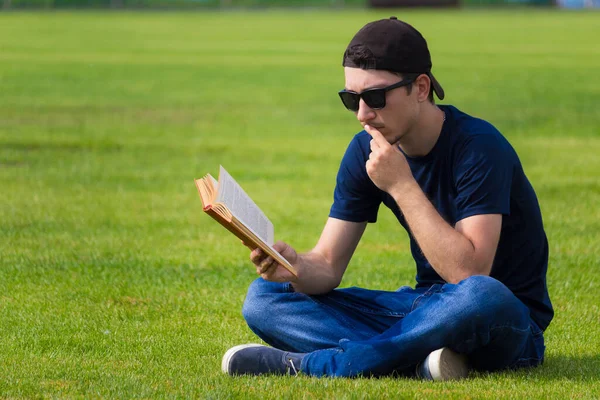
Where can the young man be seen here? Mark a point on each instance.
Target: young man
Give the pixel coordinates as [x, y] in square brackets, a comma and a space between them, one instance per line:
[457, 186]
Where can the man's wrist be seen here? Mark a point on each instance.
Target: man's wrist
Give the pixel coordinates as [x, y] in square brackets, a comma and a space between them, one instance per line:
[403, 189]
[299, 267]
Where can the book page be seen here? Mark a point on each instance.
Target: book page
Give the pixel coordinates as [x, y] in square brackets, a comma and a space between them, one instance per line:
[243, 208]
[214, 182]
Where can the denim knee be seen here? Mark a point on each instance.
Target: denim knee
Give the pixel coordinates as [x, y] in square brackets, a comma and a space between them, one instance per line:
[487, 296]
[259, 301]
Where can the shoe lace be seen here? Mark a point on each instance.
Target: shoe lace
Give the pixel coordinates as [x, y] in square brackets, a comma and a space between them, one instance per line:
[293, 366]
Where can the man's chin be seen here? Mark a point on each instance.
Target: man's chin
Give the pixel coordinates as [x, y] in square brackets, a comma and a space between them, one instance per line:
[394, 139]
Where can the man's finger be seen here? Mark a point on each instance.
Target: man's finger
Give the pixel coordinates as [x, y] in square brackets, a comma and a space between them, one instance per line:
[261, 270]
[256, 255]
[377, 136]
[266, 262]
[264, 267]
[373, 144]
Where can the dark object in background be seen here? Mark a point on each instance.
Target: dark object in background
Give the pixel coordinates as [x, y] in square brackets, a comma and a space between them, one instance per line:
[413, 3]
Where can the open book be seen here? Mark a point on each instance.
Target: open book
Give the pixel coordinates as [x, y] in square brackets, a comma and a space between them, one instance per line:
[226, 202]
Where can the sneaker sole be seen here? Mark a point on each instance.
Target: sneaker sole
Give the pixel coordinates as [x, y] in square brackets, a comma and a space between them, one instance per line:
[445, 364]
[227, 357]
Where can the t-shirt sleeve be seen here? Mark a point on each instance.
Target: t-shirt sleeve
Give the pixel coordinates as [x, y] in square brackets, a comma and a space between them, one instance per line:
[355, 198]
[483, 175]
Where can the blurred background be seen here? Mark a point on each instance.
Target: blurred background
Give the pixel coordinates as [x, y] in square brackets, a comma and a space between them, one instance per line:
[212, 4]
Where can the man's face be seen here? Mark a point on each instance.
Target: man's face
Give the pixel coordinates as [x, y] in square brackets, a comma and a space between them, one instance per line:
[401, 110]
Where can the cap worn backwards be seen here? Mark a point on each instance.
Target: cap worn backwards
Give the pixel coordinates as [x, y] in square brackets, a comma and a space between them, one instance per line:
[391, 45]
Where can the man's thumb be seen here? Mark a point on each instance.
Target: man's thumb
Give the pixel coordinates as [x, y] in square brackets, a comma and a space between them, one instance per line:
[280, 246]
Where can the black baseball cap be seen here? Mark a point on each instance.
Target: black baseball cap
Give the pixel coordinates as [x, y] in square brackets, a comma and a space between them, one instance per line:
[392, 45]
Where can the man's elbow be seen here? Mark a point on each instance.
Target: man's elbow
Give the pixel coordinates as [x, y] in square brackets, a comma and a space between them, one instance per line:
[462, 273]
[331, 283]
[323, 287]
[318, 284]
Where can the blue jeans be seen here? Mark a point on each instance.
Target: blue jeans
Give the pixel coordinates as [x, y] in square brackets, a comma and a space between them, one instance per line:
[354, 331]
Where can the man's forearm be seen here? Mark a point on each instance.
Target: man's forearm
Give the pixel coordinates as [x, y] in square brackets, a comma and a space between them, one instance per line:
[448, 251]
[315, 274]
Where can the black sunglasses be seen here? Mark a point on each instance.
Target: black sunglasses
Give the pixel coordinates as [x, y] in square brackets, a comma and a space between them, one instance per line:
[374, 98]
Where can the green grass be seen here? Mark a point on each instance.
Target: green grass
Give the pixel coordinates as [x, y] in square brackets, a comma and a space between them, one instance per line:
[112, 281]
[189, 4]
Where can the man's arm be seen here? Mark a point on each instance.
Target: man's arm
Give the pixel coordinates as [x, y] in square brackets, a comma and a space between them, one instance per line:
[319, 270]
[455, 253]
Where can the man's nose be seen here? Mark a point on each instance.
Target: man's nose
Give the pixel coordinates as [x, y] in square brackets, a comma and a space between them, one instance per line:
[364, 113]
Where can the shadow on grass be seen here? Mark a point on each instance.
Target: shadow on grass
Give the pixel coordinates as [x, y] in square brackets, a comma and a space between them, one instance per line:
[579, 368]
[556, 367]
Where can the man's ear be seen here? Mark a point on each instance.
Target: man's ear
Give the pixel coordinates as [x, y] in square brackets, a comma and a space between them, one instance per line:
[422, 85]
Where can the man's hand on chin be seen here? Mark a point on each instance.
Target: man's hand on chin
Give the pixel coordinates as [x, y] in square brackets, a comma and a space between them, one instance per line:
[387, 167]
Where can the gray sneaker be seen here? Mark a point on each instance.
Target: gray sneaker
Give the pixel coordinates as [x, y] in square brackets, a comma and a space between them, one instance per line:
[443, 365]
[256, 359]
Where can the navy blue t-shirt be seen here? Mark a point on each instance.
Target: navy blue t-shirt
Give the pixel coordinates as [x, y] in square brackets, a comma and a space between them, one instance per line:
[471, 170]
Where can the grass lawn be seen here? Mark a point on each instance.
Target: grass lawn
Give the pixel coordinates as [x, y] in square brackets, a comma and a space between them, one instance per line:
[113, 283]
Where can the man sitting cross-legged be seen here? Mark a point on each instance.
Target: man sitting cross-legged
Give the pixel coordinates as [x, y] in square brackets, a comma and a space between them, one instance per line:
[476, 234]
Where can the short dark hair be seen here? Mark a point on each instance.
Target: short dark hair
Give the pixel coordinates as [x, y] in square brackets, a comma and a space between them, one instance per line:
[360, 56]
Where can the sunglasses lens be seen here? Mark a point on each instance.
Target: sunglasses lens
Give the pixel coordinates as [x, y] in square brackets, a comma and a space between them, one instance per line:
[374, 98]
[350, 100]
